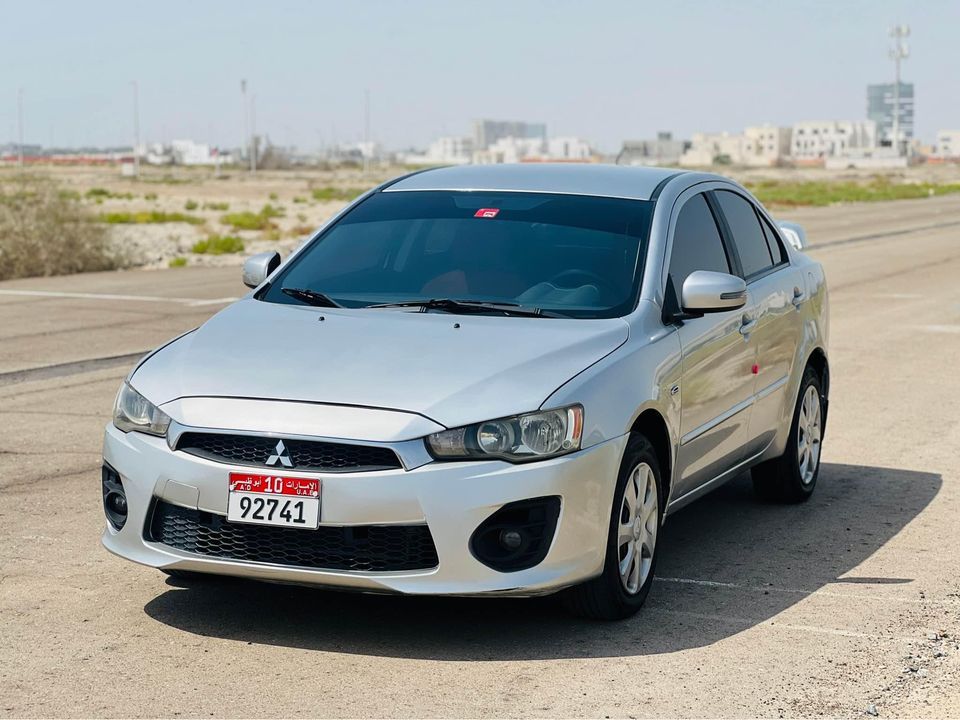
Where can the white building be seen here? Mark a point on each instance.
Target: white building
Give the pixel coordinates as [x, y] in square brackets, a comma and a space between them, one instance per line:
[450, 150]
[948, 144]
[569, 148]
[819, 140]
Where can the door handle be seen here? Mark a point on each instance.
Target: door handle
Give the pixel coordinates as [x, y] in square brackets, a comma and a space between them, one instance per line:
[798, 297]
[747, 325]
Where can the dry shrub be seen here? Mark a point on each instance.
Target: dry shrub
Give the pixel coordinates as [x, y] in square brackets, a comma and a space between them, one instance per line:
[45, 231]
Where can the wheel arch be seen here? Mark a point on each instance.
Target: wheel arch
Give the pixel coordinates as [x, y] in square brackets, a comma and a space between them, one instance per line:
[818, 361]
[652, 425]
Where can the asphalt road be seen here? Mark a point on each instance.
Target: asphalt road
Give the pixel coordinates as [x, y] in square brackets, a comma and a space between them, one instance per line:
[848, 601]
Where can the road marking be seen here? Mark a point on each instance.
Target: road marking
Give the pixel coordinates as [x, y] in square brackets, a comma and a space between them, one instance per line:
[69, 368]
[191, 302]
[879, 236]
[798, 591]
[951, 329]
[748, 623]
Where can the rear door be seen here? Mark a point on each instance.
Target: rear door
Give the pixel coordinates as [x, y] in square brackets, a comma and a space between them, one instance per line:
[716, 387]
[775, 288]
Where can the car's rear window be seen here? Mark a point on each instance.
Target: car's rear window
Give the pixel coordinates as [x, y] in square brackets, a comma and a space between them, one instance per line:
[570, 254]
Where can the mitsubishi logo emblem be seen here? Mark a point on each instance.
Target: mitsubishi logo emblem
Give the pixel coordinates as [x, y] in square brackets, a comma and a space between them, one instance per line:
[280, 456]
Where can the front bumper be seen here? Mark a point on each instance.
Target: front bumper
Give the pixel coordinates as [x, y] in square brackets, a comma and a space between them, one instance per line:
[451, 498]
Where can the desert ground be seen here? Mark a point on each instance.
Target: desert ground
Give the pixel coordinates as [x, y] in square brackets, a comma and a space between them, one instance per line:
[846, 605]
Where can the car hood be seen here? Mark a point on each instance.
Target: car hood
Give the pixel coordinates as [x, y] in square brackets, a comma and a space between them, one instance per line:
[453, 369]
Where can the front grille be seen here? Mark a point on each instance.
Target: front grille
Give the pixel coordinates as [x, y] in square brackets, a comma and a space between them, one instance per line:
[371, 548]
[304, 454]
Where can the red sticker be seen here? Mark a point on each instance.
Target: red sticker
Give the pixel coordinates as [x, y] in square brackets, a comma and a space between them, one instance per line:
[755, 369]
[486, 212]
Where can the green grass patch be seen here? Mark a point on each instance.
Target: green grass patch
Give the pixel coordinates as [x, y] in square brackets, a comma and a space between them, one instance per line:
[330, 193]
[248, 220]
[221, 206]
[148, 217]
[150, 196]
[820, 193]
[177, 262]
[191, 205]
[299, 199]
[218, 245]
[99, 193]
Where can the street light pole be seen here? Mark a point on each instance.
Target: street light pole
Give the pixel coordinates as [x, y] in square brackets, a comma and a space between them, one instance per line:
[253, 133]
[246, 128]
[20, 128]
[898, 52]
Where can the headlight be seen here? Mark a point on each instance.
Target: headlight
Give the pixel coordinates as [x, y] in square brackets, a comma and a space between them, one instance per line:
[132, 411]
[534, 436]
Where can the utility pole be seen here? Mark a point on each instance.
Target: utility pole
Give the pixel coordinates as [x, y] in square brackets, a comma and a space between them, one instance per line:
[246, 126]
[366, 131]
[898, 52]
[20, 128]
[136, 131]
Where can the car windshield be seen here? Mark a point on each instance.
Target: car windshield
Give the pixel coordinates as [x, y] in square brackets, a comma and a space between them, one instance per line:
[567, 255]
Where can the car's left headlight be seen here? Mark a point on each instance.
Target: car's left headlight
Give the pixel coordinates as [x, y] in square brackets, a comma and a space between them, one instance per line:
[132, 411]
[522, 438]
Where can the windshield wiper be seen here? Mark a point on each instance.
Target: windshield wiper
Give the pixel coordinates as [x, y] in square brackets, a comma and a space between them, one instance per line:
[470, 307]
[311, 297]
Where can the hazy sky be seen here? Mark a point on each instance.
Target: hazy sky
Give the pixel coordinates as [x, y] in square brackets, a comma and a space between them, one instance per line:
[601, 70]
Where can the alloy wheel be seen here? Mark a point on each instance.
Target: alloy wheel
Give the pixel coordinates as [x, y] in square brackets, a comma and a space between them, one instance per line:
[808, 435]
[637, 529]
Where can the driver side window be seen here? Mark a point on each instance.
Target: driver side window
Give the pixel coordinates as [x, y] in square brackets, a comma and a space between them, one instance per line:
[696, 244]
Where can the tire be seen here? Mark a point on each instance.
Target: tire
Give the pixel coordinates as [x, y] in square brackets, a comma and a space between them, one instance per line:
[612, 595]
[792, 477]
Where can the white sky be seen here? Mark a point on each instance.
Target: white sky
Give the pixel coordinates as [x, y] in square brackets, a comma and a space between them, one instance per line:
[601, 70]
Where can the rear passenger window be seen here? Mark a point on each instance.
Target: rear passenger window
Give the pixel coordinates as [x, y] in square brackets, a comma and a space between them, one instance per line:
[696, 243]
[776, 249]
[747, 233]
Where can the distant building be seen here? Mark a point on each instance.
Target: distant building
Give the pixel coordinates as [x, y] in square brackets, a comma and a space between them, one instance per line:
[511, 150]
[663, 150]
[488, 132]
[766, 145]
[514, 150]
[880, 104]
[948, 144]
[714, 149]
[450, 150]
[819, 140]
[568, 148]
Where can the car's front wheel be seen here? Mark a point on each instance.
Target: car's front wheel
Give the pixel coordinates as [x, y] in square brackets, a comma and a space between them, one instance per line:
[792, 477]
[631, 553]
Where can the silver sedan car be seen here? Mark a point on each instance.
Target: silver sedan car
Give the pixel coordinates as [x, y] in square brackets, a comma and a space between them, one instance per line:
[489, 380]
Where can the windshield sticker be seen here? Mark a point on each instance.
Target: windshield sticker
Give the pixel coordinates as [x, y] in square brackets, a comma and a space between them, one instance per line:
[486, 212]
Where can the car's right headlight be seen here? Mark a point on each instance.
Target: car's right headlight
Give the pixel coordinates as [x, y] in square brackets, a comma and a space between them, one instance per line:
[133, 412]
[522, 438]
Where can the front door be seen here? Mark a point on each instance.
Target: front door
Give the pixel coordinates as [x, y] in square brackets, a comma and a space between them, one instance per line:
[718, 355]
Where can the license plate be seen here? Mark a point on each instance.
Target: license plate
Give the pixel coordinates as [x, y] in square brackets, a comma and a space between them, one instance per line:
[274, 500]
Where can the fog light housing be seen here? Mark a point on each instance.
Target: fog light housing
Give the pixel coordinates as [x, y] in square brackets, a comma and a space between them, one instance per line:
[518, 535]
[114, 497]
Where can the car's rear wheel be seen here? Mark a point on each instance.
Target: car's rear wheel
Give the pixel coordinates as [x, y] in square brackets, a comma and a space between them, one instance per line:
[792, 477]
[631, 553]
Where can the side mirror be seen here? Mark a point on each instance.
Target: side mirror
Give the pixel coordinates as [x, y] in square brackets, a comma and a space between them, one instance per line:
[706, 292]
[258, 267]
[793, 234]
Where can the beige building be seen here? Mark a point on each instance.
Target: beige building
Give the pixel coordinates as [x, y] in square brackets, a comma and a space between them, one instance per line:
[948, 144]
[759, 146]
[766, 144]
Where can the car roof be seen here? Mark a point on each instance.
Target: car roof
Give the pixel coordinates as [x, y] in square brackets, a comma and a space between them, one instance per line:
[635, 183]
